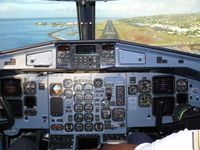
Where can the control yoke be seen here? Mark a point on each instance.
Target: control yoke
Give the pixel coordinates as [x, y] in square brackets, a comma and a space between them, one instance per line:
[9, 119]
[184, 116]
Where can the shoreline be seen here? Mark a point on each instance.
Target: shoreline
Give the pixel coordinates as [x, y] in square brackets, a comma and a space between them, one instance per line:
[55, 34]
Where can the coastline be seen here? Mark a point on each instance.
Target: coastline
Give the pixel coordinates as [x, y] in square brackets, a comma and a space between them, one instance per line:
[55, 34]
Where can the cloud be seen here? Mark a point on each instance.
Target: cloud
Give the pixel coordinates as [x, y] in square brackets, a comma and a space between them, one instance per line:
[29, 9]
[4, 8]
[127, 8]
[21, 1]
[118, 8]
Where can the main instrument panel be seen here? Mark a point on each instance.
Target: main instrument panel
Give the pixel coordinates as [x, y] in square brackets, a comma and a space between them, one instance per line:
[87, 93]
[88, 106]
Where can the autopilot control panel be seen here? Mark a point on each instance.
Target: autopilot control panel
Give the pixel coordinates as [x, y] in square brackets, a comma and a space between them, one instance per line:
[84, 56]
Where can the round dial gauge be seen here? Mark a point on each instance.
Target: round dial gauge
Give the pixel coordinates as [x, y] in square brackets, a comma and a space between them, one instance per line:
[182, 85]
[78, 108]
[68, 93]
[67, 83]
[88, 107]
[78, 98]
[78, 87]
[145, 86]
[132, 89]
[78, 117]
[118, 114]
[30, 88]
[98, 83]
[69, 127]
[79, 127]
[88, 127]
[144, 100]
[88, 97]
[88, 117]
[88, 87]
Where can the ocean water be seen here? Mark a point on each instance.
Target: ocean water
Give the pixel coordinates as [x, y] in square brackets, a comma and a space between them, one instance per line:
[15, 33]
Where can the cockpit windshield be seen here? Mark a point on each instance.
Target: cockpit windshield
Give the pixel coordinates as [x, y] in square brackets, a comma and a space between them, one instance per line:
[172, 24]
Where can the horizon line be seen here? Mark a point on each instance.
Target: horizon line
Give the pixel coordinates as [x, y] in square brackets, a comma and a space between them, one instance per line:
[101, 16]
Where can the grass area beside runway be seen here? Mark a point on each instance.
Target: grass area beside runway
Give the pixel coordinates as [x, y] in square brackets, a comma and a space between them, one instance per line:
[150, 36]
[100, 28]
[176, 31]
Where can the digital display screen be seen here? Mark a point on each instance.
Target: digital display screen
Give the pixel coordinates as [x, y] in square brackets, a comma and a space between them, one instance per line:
[168, 105]
[11, 87]
[16, 108]
[85, 49]
[163, 85]
[30, 101]
[87, 142]
[56, 106]
[108, 47]
[63, 48]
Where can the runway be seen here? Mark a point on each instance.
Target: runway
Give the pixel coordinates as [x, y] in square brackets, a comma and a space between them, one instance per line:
[110, 31]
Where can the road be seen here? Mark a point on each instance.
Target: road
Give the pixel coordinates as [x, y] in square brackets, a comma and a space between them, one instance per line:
[109, 31]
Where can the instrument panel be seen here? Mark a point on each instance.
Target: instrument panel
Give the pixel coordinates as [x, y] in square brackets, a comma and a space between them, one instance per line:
[85, 56]
[94, 92]
[92, 106]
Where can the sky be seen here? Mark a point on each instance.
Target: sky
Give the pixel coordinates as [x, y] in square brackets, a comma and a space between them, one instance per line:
[117, 8]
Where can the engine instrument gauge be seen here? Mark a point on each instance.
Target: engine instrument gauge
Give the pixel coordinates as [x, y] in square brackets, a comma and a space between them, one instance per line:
[88, 107]
[145, 86]
[78, 108]
[88, 127]
[88, 87]
[78, 87]
[144, 100]
[118, 114]
[88, 97]
[78, 98]
[88, 117]
[79, 127]
[78, 117]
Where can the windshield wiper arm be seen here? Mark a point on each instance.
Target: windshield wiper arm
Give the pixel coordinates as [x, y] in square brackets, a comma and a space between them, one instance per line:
[86, 18]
